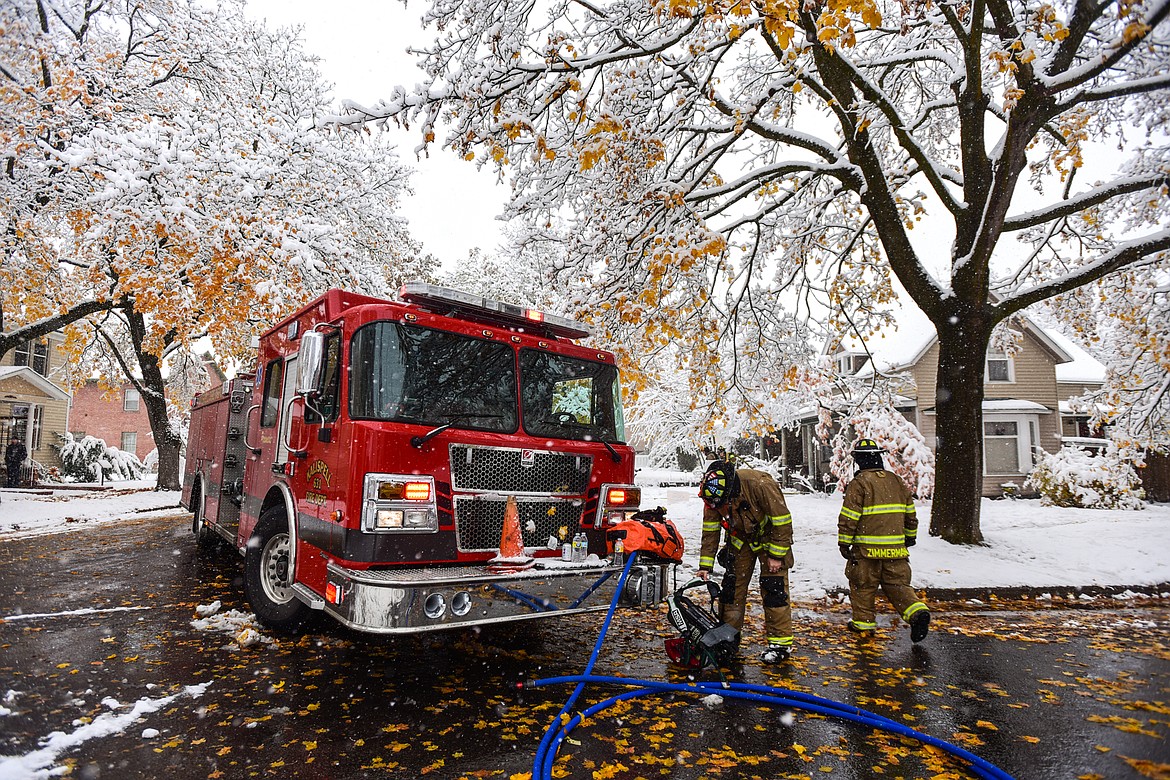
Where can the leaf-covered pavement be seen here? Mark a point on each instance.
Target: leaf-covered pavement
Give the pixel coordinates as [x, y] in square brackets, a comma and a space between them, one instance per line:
[1043, 690]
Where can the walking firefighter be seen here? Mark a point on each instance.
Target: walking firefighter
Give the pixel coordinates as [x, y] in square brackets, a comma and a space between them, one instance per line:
[751, 506]
[876, 527]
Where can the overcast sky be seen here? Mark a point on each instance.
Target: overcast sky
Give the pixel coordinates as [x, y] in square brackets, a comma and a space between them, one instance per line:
[362, 45]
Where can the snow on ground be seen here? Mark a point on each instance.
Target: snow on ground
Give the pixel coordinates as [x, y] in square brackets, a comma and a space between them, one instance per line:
[242, 627]
[40, 763]
[1027, 544]
[44, 511]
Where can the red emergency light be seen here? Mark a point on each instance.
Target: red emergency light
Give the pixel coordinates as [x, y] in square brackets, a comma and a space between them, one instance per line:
[417, 491]
[620, 496]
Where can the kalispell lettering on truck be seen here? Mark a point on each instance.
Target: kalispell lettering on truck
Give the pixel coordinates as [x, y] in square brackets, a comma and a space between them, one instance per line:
[374, 461]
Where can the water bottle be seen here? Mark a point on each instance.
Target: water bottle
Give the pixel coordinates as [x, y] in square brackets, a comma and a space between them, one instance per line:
[580, 547]
[619, 553]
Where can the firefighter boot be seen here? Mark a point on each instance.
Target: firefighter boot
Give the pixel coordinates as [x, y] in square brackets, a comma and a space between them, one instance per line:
[919, 625]
[775, 654]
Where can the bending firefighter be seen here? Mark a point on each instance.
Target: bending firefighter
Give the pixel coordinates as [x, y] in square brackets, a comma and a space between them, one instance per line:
[876, 527]
[750, 505]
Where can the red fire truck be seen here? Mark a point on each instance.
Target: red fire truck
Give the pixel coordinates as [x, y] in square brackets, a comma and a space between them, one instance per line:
[366, 467]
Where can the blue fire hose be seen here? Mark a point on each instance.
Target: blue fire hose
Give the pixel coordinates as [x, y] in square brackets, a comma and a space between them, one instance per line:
[562, 724]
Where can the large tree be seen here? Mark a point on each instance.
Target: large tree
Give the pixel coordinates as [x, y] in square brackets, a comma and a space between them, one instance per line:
[162, 162]
[724, 158]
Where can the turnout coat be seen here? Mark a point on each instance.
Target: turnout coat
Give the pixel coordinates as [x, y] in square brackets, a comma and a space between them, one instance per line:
[759, 518]
[878, 516]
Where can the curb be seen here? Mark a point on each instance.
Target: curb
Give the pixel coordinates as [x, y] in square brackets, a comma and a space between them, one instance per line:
[1080, 595]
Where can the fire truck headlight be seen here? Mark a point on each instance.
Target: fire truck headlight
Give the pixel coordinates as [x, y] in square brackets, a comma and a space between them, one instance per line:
[418, 518]
[397, 502]
[461, 603]
[388, 518]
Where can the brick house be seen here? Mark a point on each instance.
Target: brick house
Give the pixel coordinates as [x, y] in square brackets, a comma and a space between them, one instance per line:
[117, 417]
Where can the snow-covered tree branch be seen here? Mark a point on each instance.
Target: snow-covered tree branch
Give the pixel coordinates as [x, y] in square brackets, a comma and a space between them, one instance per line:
[163, 157]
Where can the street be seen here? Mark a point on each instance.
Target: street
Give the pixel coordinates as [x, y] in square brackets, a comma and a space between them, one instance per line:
[98, 643]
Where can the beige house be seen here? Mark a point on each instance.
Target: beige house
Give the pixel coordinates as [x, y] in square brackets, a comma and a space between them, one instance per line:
[1026, 393]
[33, 407]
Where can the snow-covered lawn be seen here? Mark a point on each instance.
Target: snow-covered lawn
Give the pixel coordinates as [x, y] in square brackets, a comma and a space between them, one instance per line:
[45, 510]
[1027, 544]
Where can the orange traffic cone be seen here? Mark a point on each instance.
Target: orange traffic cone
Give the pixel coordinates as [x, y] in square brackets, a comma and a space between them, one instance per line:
[511, 555]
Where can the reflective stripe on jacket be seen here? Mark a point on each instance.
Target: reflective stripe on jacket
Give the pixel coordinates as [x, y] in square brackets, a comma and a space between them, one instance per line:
[759, 518]
[877, 516]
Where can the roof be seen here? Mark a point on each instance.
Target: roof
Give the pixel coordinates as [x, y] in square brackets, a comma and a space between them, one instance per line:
[1067, 407]
[902, 345]
[1006, 405]
[897, 347]
[1083, 368]
[36, 380]
[1014, 405]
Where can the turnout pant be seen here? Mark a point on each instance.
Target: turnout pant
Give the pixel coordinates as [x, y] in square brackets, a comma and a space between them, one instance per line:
[773, 592]
[866, 575]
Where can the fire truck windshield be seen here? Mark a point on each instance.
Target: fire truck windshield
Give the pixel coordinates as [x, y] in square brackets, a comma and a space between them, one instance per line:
[570, 398]
[406, 373]
[410, 374]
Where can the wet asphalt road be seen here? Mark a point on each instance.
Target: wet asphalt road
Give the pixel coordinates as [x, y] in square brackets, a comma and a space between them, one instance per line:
[1042, 692]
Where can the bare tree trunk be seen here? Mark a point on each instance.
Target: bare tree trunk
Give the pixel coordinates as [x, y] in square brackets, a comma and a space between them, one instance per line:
[959, 432]
[154, 396]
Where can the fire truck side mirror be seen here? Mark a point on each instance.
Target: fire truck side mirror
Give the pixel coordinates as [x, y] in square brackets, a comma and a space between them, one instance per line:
[310, 363]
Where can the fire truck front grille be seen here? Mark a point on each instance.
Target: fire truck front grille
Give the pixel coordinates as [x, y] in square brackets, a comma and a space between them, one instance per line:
[479, 521]
[508, 471]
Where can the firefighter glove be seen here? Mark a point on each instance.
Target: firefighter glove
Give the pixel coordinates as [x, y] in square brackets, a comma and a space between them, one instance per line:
[910, 541]
[846, 551]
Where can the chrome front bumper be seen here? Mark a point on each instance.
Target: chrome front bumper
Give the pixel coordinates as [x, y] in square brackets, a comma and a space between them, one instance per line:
[408, 601]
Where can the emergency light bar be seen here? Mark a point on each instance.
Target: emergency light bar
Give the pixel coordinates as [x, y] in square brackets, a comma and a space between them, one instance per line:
[434, 296]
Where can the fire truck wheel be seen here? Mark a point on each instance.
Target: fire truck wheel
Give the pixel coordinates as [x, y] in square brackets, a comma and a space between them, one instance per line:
[267, 578]
[205, 538]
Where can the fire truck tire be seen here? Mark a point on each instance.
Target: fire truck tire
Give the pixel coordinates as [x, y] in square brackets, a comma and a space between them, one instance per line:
[205, 538]
[267, 579]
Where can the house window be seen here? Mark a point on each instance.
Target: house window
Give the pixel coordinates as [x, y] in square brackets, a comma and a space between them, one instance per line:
[130, 400]
[999, 368]
[1001, 447]
[851, 364]
[35, 356]
[129, 441]
[1034, 451]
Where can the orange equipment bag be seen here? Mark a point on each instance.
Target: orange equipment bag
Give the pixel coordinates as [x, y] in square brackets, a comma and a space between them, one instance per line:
[650, 534]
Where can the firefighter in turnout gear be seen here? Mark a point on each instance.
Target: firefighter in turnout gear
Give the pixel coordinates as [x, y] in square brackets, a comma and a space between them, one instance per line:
[751, 506]
[876, 527]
